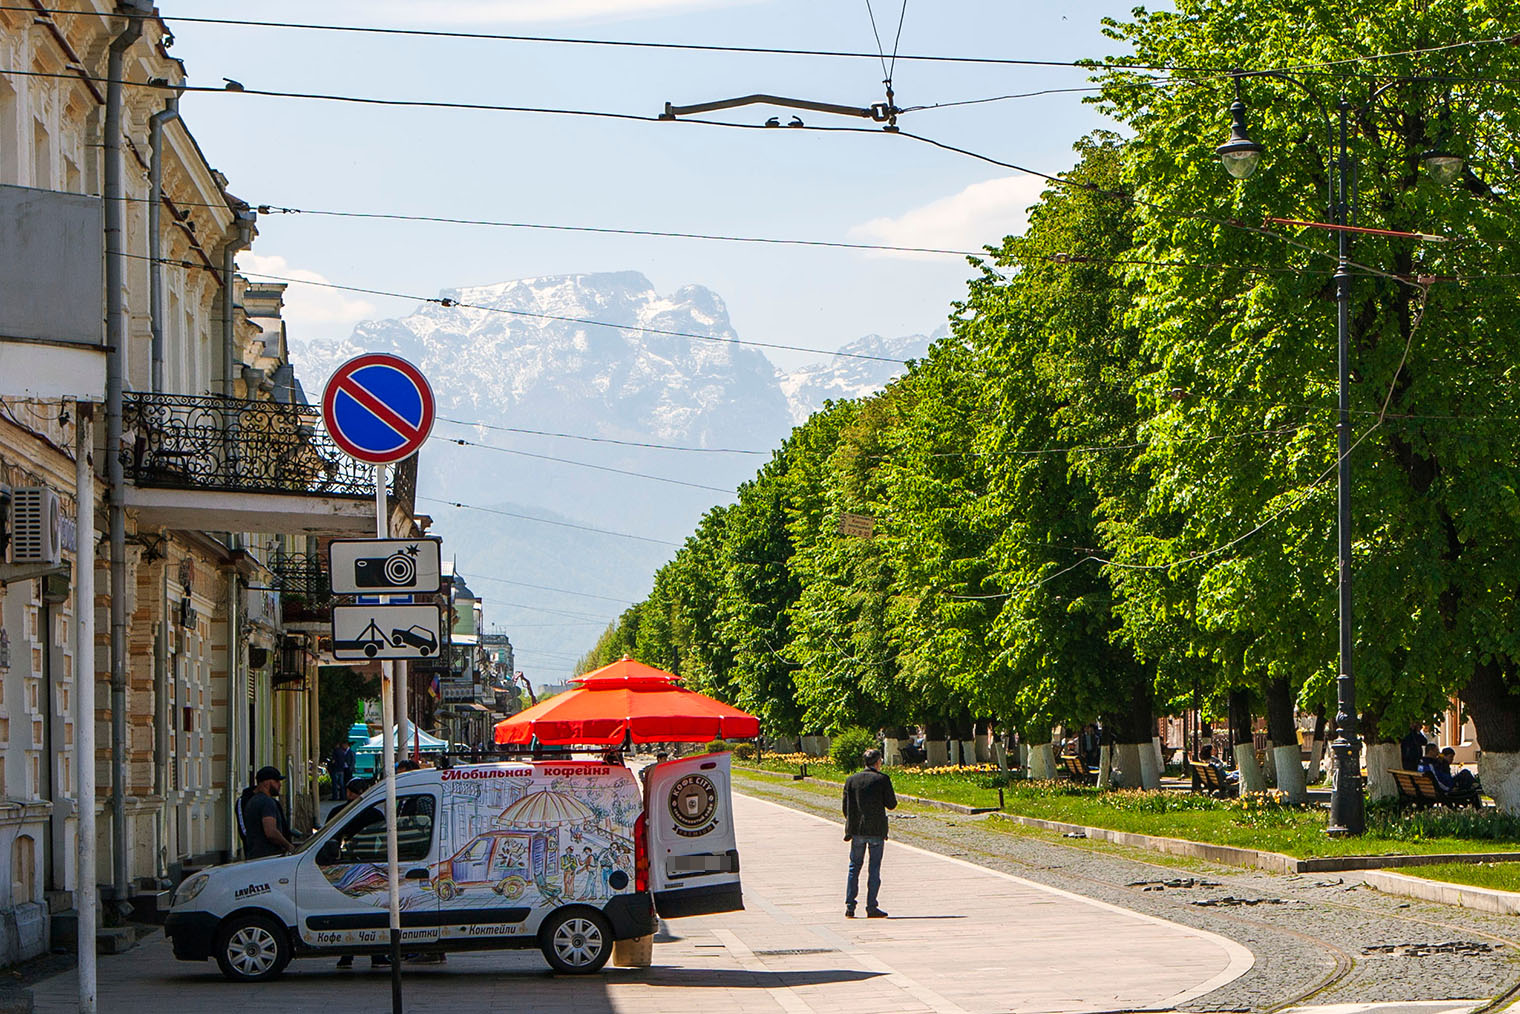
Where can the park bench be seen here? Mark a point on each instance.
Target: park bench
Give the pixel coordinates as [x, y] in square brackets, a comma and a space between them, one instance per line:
[1419, 789]
[1077, 770]
[1208, 778]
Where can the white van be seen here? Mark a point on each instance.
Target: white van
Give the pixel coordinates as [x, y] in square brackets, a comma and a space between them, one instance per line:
[566, 856]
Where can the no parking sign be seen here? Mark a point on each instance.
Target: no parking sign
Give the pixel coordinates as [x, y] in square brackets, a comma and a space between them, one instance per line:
[378, 408]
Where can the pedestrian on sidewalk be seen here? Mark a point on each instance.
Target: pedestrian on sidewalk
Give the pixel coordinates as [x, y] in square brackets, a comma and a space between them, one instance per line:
[868, 796]
[266, 828]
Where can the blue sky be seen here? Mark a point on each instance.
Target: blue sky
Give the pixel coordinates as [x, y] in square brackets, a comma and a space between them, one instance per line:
[561, 170]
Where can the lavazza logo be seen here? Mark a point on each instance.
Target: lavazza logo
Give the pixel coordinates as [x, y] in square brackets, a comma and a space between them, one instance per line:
[250, 891]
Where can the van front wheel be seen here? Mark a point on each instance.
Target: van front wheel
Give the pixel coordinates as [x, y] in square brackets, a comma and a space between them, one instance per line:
[577, 941]
[252, 948]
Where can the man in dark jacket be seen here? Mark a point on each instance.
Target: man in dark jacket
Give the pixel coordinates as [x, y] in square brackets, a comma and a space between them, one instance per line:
[868, 796]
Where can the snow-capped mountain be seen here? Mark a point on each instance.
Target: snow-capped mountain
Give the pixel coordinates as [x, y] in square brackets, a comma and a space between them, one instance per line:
[525, 356]
[842, 377]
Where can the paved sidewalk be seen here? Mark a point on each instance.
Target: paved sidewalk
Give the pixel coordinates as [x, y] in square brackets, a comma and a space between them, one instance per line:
[962, 939]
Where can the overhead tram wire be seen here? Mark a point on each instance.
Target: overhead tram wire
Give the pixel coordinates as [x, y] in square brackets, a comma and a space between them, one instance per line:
[603, 440]
[448, 301]
[547, 521]
[1088, 64]
[587, 464]
[544, 587]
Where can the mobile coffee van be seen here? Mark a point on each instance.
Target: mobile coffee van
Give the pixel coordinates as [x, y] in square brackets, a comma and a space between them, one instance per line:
[566, 856]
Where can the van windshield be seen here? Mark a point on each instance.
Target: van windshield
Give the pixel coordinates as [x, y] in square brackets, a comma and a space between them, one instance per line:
[334, 819]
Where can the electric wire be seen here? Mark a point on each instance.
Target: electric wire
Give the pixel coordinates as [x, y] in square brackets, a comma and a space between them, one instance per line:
[603, 440]
[449, 301]
[587, 464]
[544, 587]
[276, 209]
[1079, 64]
[547, 521]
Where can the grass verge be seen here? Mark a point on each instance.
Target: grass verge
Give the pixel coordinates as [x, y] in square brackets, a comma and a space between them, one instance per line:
[1254, 822]
[1500, 876]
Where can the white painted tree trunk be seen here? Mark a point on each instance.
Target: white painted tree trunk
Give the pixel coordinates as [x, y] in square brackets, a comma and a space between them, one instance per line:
[1160, 755]
[1500, 775]
[1316, 756]
[938, 756]
[1105, 766]
[1000, 755]
[1023, 754]
[1150, 770]
[1250, 771]
[1290, 772]
[891, 751]
[968, 752]
[1269, 766]
[1129, 766]
[1042, 762]
[983, 751]
[1382, 758]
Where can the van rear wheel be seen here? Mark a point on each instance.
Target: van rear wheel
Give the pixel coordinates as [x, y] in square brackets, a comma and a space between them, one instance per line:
[252, 948]
[577, 941]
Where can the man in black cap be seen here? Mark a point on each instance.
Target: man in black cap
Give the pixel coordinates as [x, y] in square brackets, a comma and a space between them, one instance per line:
[264, 821]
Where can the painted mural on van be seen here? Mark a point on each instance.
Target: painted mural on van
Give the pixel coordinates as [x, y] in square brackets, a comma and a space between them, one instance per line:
[565, 834]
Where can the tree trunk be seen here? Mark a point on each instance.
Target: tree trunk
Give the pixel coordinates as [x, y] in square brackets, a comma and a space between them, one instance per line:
[1382, 757]
[1283, 734]
[934, 745]
[1316, 748]
[1042, 761]
[1495, 712]
[983, 737]
[1136, 731]
[1105, 764]
[1243, 743]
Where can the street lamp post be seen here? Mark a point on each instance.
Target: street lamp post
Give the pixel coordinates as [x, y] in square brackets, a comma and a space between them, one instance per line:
[1241, 156]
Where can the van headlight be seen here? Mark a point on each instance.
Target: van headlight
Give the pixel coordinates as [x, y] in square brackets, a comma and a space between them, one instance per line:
[190, 889]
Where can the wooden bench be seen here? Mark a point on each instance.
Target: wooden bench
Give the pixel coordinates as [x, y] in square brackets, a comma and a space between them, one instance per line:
[1077, 770]
[1211, 780]
[1419, 789]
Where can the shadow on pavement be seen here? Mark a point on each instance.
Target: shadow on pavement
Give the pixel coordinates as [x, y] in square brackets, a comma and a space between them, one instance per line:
[738, 978]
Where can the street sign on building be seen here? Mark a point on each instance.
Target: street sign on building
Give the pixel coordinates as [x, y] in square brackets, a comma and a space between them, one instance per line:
[364, 632]
[384, 566]
[378, 408]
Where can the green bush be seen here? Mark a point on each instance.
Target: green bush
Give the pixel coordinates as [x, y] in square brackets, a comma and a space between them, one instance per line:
[718, 746]
[744, 751]
[849, 746]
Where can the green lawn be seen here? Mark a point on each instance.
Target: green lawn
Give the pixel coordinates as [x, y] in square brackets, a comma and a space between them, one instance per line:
[1502, 876]
[1296, 831]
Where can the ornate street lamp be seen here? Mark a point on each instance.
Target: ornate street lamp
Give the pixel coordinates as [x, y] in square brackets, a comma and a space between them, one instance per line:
[1241, 156]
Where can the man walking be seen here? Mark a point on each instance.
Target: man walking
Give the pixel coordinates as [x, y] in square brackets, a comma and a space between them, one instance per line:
[868, 796]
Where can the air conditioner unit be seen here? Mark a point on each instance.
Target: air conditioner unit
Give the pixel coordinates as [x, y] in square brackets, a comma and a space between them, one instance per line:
[36, 526]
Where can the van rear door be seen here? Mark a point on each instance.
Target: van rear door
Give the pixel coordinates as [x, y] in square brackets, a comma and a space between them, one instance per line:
[693, 855]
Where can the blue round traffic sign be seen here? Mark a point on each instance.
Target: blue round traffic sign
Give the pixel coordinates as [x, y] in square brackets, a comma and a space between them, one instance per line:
[378, 408]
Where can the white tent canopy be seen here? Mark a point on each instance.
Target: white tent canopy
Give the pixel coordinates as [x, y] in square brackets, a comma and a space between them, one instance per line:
[418, 738]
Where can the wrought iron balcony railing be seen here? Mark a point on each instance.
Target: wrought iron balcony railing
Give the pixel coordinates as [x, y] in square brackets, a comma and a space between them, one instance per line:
[238, 446]
[305, 590]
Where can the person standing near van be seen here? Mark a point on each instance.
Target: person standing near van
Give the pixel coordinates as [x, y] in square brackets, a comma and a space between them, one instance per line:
[264, 820]
[868, 796]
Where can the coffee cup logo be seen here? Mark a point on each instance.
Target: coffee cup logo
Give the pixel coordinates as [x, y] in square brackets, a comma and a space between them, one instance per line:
[693, 801]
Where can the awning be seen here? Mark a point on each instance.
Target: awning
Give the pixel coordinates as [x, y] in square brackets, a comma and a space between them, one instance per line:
[627, 700]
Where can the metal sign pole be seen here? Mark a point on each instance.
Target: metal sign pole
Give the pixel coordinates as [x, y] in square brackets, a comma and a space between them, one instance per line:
[84, 700]
[388, 759]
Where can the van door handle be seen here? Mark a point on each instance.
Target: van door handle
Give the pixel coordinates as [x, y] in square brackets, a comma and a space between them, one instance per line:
[420, 873]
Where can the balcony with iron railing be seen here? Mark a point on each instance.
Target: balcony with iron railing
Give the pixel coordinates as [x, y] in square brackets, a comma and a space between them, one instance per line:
[305, 589]
[229, 464]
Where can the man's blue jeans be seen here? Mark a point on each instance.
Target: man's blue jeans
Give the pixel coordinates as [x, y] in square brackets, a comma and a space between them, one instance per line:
[858, 848]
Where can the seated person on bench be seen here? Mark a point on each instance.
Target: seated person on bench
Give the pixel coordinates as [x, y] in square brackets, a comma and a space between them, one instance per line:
[1206, 756]
[1437, 764]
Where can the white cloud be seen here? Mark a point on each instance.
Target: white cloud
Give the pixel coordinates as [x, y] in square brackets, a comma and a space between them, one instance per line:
[311, 311]
[979, 215]
[485, 12]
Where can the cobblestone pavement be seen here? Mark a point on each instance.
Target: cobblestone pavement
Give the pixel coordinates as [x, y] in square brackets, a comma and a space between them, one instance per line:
[966, 940]
[1320, 939]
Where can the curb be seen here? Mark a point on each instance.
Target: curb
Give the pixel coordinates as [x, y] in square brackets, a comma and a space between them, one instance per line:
[1225, 855]
[1479, 899]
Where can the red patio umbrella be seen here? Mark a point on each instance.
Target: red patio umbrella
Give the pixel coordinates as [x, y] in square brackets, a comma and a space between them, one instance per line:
[627, 699]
